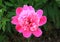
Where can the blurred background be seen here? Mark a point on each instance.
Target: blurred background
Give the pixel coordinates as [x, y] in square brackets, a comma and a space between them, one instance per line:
[51, 30]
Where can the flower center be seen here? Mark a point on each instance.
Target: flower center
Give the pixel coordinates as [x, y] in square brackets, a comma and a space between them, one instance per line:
[30, 25]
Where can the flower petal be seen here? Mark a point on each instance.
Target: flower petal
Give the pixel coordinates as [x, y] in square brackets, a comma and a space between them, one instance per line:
[31, 8]
[14, 20]
[37, 33]
[18, 10]
[25, 7]
[18, 28]
[43, 20]
[40, 12]
[27, 34]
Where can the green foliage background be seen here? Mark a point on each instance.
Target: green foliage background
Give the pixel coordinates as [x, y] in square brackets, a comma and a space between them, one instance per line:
[7, 10]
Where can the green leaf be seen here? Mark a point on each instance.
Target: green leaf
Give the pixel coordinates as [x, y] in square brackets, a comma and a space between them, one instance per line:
[4, 20]
[0, 2]
[3, 38]
[0, 25]
[39, 3]
[8, 27]
[0, 10]
[45, 27]
[44, 1]
[9, 4]
[10, 14]
[58, 2]
[1, 13]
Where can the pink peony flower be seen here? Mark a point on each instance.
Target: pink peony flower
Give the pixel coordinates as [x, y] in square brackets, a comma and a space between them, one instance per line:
[27, 21]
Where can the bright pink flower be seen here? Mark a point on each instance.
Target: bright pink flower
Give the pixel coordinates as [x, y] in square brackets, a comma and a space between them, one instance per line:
[27, 21]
